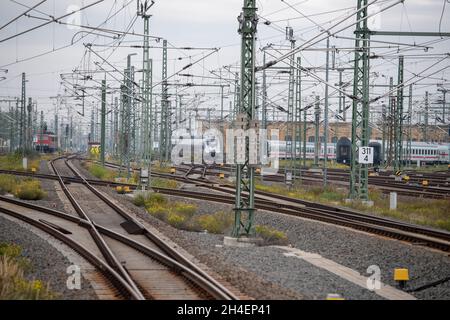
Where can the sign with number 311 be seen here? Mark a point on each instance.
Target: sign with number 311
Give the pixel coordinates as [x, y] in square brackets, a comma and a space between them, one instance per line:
[365, 155]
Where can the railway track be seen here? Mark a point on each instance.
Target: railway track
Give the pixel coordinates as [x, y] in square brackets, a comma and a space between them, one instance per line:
[415, 234]
[140, 264]
[297, 207]
[385, 184]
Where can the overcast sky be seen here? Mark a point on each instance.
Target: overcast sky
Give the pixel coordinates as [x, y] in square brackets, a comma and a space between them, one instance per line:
[210, 24]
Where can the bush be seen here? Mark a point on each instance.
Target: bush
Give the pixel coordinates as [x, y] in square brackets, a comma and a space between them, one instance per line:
[29, 190]
[271, 235]
[217, 223]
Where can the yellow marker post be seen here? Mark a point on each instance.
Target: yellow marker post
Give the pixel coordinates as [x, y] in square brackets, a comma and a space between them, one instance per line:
[401, 275]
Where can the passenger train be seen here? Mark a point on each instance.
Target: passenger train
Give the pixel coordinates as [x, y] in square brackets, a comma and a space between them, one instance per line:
[211, 147]
[341, 151]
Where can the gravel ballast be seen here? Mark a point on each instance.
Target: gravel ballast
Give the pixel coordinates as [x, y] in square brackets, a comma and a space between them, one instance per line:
[48, 264]
[292, 278]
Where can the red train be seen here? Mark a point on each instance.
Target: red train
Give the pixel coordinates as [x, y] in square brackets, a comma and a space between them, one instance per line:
[45, 142]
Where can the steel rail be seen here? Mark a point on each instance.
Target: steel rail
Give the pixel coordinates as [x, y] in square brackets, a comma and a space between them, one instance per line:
[223, 292]
[104, 248]
[189, 274]
[116, 280]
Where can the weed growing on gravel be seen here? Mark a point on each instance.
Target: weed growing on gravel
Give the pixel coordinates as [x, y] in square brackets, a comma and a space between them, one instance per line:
[164, 183]
[13, 282]
[7, 183]
[430, 212]
[25, 189]
[29, 190]
[13, 161]
[139, 199]
[176, 220]
[271, 236]
[182, 215]
[100, 172]
[218, 223]
[153, 199]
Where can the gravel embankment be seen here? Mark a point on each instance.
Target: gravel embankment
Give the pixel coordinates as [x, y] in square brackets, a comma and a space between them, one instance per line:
[48, 264]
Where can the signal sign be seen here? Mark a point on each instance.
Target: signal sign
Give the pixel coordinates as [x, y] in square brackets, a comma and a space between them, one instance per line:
[365, 155]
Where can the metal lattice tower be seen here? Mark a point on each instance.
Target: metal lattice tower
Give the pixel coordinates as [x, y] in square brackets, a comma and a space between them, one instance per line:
[305, 128]
[29, 128]
[264, 95]
[360, 113]
[116, 142]
[390, 124]
[409, 132]
[316, 132]
[22, 134]
[383, 125]
[325, 117]
[425, 127]
[147, 114]
[245, 179]
[103, 123]
[163, 138]
[290, 144]
[237, 96]
[132, 114]
[297, 119]
[398, 139]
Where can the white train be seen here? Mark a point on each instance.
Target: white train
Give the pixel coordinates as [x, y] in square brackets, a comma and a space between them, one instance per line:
[420, 151]
[211, 147]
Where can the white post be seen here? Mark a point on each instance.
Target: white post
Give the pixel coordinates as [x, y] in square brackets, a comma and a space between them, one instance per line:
[393, 201]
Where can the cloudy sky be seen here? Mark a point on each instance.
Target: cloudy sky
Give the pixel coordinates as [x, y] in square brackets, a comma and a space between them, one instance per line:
[46, 53]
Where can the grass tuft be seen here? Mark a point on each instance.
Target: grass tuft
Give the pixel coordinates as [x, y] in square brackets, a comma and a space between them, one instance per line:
[13, 282]
[218, 223]
[271, 236]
